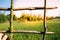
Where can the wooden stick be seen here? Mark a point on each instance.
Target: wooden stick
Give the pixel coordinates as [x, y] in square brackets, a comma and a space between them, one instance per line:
[11, 20]
[27, 31]
[45, 26]
[31, 8]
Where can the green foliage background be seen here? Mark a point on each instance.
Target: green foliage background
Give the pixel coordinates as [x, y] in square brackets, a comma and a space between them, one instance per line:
[2, 18]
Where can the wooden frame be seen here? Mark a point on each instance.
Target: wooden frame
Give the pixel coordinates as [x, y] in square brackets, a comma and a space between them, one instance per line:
[11, 31]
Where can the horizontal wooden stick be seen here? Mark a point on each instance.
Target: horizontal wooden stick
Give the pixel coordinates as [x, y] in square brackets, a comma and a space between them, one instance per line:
[30, 8]
[26, 31]
[5, 9]
[34, 8]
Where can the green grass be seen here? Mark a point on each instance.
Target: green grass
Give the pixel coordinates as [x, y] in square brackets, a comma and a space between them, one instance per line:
[28, 25]
[53, 25]
[4, 26]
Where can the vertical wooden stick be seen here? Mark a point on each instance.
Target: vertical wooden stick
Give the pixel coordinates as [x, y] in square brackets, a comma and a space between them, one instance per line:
[11, 20]
[44, 35]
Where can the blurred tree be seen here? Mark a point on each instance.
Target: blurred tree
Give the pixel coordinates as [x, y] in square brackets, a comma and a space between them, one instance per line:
[39, 18]
[57, 17]
[2, 18]
[23, 17]
[8, 17]
[29, 17]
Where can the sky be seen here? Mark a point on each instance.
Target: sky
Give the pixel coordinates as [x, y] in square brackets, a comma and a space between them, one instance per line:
[32, 3]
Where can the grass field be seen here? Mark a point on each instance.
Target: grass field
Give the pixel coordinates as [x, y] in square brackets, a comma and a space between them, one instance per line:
[53, 25]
